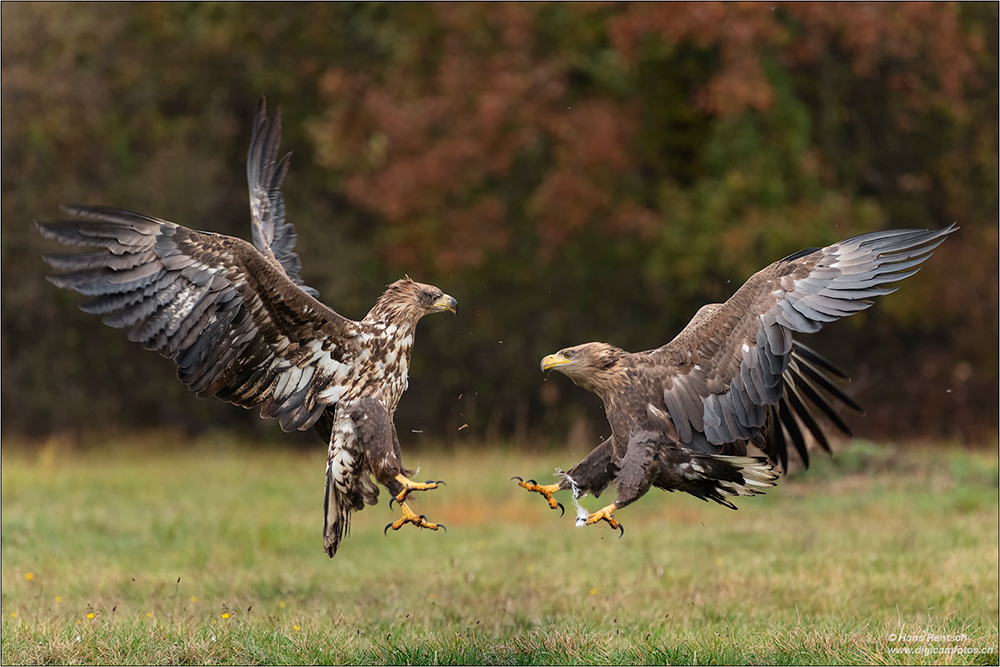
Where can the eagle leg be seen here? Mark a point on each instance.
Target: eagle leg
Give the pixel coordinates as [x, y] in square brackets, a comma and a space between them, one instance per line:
[604, 514]
[547, 490]
[410, 517]
[408, 486]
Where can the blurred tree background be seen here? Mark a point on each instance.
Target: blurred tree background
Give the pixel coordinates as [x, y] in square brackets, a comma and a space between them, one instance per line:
[569, 172]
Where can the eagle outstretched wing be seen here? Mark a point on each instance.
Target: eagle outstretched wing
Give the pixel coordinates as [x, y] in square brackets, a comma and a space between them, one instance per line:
[265, 172]
[236, 325]
[735, 366]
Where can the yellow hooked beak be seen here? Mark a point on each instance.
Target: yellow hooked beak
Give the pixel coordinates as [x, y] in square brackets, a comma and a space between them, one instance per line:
[445, 303]
[553, 360]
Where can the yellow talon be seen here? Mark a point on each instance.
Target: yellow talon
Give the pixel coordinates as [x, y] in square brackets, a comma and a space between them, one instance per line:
[409, 485]
[547, 490]
[410, 517]
[605, 514]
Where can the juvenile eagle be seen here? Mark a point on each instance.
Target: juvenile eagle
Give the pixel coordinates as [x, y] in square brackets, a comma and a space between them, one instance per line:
[682, 415]
[240, 325]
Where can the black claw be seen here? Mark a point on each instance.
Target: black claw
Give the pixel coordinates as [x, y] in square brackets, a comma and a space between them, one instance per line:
[423, 516]
[387, 527]
[441, 482]
[517, 478]
[622, 529]
[531, 481]
[391, 501]
[441, 525]
[562, 510]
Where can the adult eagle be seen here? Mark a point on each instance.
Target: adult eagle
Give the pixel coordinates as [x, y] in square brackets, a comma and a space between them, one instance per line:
[239, 323]
[682, 415]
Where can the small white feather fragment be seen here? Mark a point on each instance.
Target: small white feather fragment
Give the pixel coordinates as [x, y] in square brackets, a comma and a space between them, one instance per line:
[581, 512]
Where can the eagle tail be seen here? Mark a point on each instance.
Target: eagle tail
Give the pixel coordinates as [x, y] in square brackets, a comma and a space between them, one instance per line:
[726, 476]
[348, 484]
[336, 515]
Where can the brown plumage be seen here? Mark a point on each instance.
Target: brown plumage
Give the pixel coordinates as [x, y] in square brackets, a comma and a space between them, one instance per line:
[240, 325]
[683, 414]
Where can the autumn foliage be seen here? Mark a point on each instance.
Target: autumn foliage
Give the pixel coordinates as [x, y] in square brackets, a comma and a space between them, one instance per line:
[478, 96]
[570, 172]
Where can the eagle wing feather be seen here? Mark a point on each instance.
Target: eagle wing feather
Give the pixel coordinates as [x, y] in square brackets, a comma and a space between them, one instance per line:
[265, 172]
[234, 322]
[736, 366]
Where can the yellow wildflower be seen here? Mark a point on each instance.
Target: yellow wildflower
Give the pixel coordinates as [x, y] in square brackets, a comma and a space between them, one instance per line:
[29, 576]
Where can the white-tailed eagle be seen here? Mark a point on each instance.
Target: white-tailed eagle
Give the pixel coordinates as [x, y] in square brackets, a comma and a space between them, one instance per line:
[683, 414]
[240, 325]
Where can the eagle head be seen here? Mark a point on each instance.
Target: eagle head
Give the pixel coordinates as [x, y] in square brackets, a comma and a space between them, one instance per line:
[407, 300]
[593, 366]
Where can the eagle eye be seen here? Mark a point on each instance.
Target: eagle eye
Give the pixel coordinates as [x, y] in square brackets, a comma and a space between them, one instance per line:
[568, 354]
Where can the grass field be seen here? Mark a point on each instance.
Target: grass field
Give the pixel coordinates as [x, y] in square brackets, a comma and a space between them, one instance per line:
[213, 554]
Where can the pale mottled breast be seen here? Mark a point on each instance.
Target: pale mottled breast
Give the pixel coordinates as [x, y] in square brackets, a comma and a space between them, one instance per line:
[382, 368]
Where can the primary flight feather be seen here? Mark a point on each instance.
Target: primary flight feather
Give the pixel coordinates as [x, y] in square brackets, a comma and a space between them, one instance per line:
[240, 324]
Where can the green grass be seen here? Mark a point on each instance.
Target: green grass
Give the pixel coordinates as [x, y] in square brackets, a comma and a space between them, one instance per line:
[825, 568]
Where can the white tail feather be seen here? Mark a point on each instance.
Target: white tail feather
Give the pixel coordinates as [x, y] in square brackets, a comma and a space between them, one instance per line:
[756, 472]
